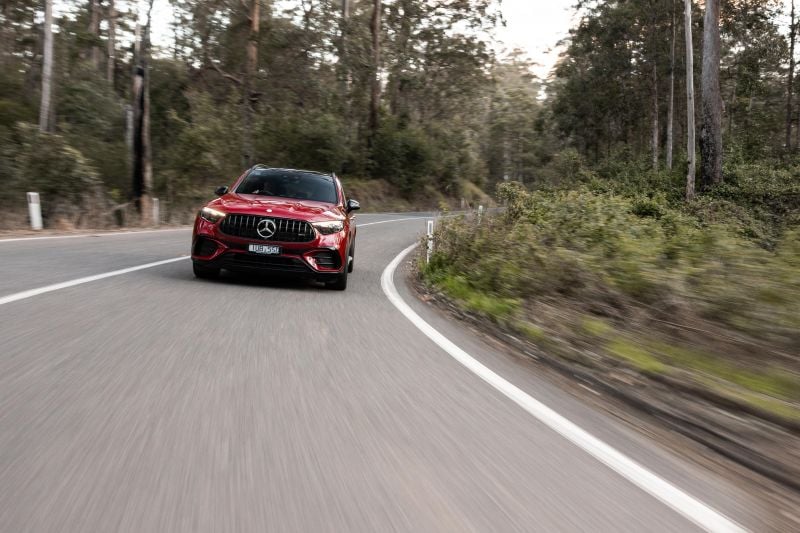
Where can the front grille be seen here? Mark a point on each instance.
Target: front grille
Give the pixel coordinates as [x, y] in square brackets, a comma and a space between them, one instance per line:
[286, 230]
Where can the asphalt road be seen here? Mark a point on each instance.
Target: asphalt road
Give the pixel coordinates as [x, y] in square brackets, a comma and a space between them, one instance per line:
[153, 401]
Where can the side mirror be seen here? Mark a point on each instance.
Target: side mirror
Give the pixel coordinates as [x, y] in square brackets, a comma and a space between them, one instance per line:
[219, 191]
[352, 205]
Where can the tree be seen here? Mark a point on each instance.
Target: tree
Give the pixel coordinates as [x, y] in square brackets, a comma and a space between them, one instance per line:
[342, 65]
[690, 148]
[112, 45]
[375, 81]
[671, 98]
[711, 100]
[94, 32]
[248, 96]
[790, 79]
[655, 131]
[142, 149]
[45, 124]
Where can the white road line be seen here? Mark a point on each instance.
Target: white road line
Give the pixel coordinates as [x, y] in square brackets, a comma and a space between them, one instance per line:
[102, 234]
[140, 232]
[392, 220]
[688, 506]
[80, 281]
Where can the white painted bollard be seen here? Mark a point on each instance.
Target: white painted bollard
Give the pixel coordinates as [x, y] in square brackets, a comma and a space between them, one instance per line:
[430, 242]
[156, 212]
[35, 210]
[480, 213]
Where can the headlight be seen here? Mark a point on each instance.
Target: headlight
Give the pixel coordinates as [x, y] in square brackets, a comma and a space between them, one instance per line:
[327, 228]
[212, 215]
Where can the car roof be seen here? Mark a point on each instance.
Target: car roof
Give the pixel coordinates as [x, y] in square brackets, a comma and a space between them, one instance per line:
[265, 167]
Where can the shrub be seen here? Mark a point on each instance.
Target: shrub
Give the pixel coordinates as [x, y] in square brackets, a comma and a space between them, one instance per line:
[599, 248]
[69, 186]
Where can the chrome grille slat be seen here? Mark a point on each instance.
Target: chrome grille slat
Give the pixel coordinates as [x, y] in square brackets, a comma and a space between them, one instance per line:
[286, 230]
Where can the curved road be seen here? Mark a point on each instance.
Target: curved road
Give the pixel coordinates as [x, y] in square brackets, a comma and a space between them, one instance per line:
[151, 401]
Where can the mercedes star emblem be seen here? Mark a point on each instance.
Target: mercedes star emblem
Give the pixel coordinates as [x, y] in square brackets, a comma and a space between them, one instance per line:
[266, 228]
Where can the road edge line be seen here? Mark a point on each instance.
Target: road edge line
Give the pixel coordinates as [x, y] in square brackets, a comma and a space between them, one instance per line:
[80, 281]
[683, 503]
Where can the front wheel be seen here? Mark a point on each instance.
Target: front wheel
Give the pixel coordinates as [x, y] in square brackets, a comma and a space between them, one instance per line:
[338, 284]
[351, 258]
[203, 272]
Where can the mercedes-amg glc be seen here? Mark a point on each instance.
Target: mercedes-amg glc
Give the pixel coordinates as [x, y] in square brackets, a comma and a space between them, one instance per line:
[280, 221]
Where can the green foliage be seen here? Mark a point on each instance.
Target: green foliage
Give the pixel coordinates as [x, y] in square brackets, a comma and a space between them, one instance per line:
[601, 247]
[402, 156]
[635, 355]
[47, 163]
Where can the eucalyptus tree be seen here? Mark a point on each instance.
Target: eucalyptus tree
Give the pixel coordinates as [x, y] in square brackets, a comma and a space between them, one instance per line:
[45, 122]
[690, 128]
[711, 100]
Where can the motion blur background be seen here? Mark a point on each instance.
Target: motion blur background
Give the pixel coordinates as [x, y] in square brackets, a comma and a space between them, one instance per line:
[581, 115]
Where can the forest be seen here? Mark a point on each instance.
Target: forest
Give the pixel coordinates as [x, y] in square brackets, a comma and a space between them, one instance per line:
[412, 101]
[393, 95]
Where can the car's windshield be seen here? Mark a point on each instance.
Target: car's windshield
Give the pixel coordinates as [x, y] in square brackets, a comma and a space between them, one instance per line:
[289, 184]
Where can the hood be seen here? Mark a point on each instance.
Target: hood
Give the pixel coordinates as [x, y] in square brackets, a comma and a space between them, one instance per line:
[253, 204]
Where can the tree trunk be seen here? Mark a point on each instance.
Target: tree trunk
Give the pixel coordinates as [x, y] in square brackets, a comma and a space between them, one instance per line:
[343, 66]
[790, 81]
[94, 31]
[689, 101]
[402, 39]
[251, 64]
[711, 101]
[654, 145]
[142, 150]
[137, 91]
[655, 118]
[47, 69]
[6, 36]
[147, 148]
[671, 101]
[112, 45]
[732, 102]
[375, 93]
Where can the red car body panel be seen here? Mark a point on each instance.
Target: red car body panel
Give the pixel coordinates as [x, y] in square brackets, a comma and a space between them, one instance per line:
[299, 256]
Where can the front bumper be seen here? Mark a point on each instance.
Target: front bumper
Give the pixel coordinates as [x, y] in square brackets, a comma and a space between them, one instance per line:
[323, 258]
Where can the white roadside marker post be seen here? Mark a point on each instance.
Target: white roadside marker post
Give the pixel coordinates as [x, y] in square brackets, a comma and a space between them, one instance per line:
[430, 242]
[480, 213]
[35, 210]
[156, 212]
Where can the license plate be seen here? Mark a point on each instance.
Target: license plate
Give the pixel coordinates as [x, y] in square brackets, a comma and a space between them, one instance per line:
[264, 249]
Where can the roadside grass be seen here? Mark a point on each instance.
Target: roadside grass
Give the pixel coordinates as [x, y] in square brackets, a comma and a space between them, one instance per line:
[622, 274]
[635, 355]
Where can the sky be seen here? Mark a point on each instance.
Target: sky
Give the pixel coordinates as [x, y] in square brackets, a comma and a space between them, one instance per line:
[536, 26]
[532, 25]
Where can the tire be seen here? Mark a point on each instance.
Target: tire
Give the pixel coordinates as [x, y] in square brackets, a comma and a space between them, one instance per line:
[205, 272]
[340, 283]
[351, 258]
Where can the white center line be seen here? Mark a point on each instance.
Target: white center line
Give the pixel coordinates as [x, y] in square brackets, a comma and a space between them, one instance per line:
[102, 234]
[685, 504]
[80, 281]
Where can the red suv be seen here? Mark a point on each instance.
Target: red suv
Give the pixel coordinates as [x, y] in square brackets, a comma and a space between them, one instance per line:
[281, 221]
